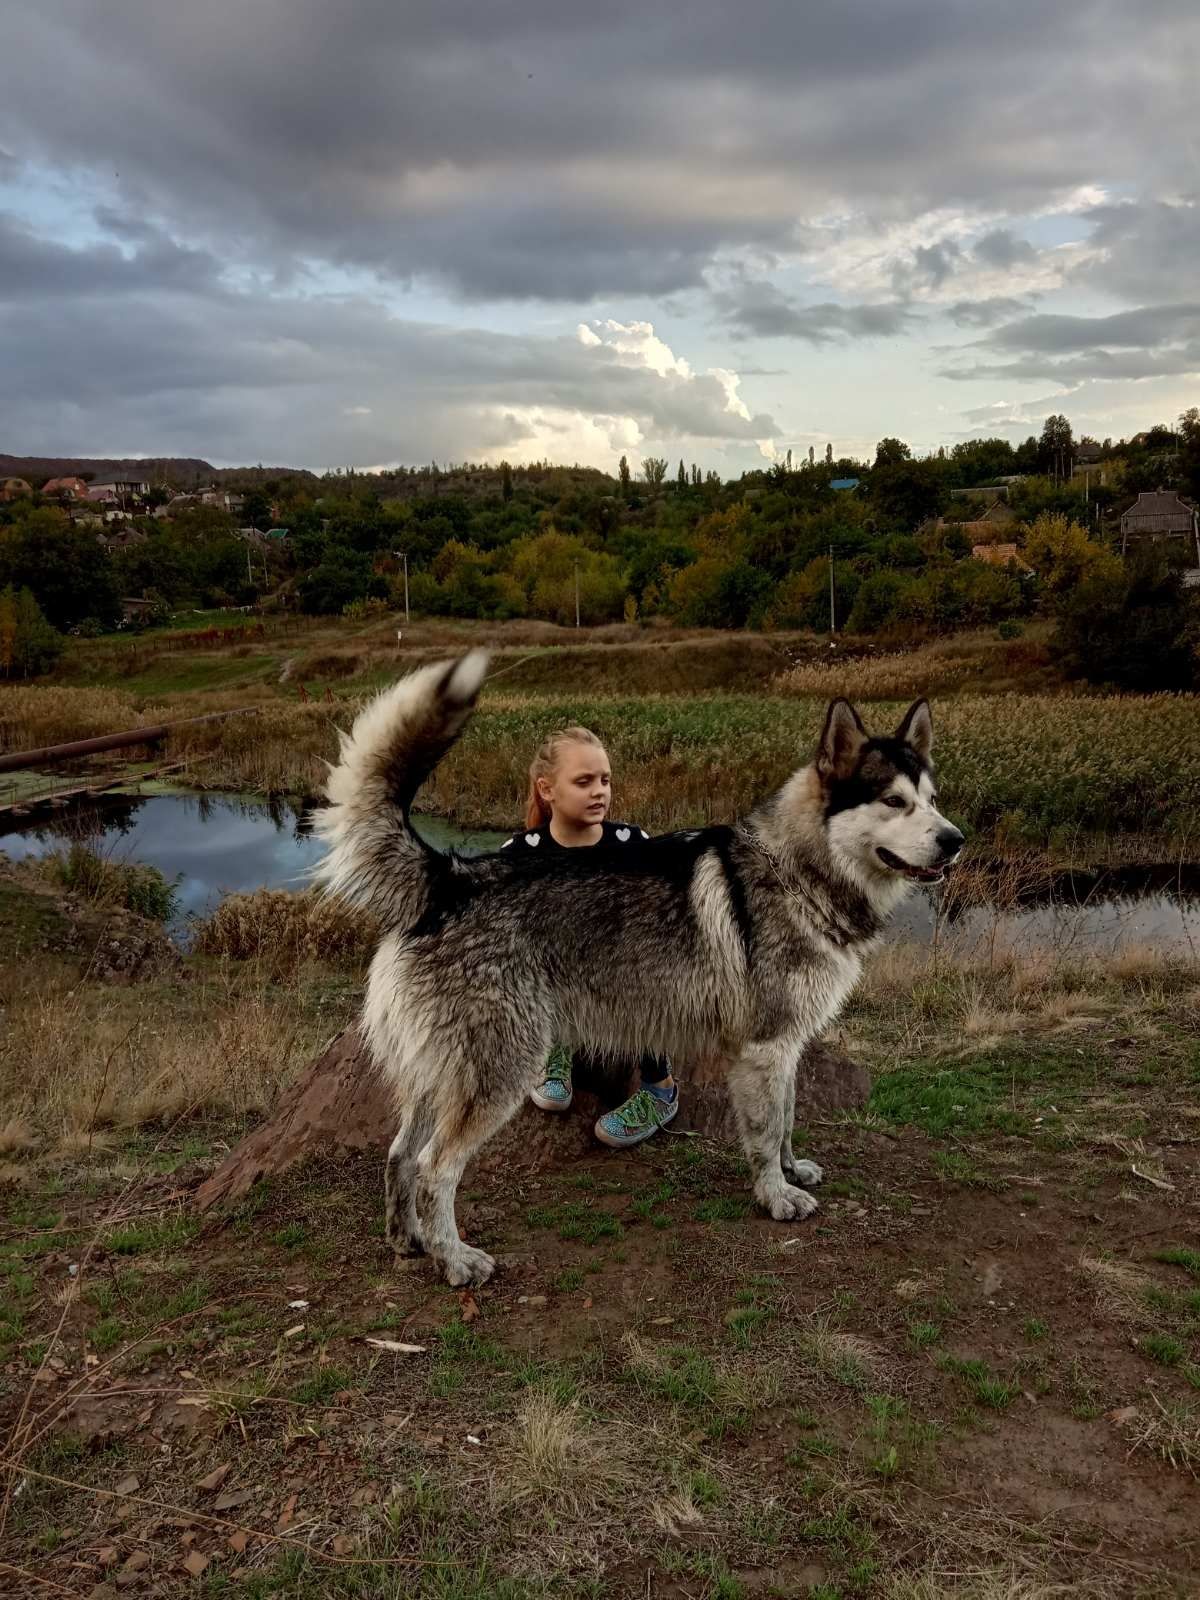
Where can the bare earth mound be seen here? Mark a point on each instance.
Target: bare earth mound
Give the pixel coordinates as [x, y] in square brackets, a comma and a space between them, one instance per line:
[340, 1103]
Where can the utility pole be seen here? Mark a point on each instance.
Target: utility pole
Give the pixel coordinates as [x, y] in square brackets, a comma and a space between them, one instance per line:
[832, 610]
[406, 586]
[577, 594]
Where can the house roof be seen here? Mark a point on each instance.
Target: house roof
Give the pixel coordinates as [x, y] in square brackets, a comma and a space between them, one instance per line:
[64, 485]
[999, 555]
[1156, 508]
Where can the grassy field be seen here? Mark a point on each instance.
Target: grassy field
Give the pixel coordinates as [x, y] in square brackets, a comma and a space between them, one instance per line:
[975, 1376]
[699, 725]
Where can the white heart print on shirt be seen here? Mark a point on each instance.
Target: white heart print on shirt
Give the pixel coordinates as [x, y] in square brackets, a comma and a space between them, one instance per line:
[622, 834]
[533, 838]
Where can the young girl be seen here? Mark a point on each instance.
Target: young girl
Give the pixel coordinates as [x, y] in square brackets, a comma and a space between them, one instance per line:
[570, 786]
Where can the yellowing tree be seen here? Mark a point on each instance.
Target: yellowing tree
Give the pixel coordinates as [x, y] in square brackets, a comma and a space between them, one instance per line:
[1064, 556]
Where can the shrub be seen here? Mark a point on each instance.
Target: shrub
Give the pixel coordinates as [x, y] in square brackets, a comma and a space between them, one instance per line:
[136, 888]
[285, 929]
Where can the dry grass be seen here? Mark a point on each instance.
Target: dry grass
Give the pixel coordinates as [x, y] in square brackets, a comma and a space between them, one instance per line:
[31, 717]
[985, 1585]
[843, 1357]
[17, 1135]
[1172, 1433]
[284, 930]
[975, 660]
[73, 1064]
[556, 1455]
[1119, 1289]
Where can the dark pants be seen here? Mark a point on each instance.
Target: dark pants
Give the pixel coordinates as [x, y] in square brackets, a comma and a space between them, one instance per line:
[653, 1069]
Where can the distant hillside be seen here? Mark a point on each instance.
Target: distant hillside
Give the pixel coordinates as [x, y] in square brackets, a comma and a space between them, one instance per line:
[183, 472]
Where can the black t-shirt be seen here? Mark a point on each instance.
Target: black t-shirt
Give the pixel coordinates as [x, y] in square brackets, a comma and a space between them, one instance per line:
[613, 837]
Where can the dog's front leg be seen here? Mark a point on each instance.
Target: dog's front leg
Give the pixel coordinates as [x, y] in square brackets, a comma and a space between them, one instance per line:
[805, 1174]
[762, 1087]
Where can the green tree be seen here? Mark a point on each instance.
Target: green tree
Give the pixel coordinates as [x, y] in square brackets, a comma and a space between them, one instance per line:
[65, 568]
[654, 470]
[28, 644]
[1189, 451]
[624, 474]
[341, 578]
[890, 452]
[1056, 446]
[1133, 627]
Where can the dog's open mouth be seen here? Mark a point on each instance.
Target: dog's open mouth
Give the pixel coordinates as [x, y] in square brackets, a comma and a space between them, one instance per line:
[920, 874]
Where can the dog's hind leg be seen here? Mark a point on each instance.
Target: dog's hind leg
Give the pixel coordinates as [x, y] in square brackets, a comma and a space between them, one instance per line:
[399, 1182]
[805, 1174]
[762, 1087]
[462, 1127]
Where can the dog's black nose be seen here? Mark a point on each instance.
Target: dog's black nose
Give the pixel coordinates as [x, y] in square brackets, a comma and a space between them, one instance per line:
[950, 842]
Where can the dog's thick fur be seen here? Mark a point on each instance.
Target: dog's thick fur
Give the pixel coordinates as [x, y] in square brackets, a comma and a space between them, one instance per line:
[739, 941]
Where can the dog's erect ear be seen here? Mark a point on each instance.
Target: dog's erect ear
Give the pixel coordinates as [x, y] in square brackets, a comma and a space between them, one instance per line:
[917, 728]
[843, 737]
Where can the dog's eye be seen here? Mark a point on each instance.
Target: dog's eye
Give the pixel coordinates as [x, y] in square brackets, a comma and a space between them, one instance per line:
[894, 800]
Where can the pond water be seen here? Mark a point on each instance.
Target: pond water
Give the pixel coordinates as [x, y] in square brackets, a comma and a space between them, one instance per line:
[215, 844]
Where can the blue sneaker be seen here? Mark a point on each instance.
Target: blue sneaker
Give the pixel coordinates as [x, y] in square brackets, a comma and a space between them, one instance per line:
[555, 1092]
[643, 1114]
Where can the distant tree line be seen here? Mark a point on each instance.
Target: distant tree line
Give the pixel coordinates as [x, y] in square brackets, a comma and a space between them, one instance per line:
[494, 543]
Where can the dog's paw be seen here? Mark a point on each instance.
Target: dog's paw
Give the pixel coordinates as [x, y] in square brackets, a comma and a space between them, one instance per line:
[407, 1246]
[468, 1267]
[788, 1204]
[807, 1174]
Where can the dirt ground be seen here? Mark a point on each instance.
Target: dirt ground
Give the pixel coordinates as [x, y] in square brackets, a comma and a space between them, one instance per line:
[976, 1372]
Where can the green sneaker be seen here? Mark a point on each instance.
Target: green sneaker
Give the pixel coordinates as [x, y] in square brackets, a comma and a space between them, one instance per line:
[641, 1115]
[555, 1093]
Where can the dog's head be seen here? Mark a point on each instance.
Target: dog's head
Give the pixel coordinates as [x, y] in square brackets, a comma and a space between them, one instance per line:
[879, 797]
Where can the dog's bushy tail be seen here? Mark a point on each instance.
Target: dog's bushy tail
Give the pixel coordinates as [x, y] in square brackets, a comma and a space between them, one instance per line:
[375, 860]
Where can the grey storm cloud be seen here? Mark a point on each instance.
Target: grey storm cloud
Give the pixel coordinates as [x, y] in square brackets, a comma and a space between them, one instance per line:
[760, 310]
[565, 150]
[985, 313]
[314, 379]
[1145, 342]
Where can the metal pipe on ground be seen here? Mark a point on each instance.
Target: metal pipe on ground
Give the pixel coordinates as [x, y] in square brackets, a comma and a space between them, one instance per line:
[15, 760]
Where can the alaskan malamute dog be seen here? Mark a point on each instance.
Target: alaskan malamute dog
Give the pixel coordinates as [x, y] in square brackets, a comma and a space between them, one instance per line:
[741, 941]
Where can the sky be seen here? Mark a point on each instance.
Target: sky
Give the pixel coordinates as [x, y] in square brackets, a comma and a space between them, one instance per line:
[396, 231]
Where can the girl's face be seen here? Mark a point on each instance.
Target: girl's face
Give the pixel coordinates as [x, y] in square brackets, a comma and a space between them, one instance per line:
[579, 789]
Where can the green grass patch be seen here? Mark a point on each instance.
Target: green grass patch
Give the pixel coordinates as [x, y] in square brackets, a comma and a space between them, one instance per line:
[143, 1238]
[576, 1220]
[320, 1388]
[986, 1389]
[977, 1096]
[1181, 1256]
[723, 1208]
[923, 1334]
[1163, 1348]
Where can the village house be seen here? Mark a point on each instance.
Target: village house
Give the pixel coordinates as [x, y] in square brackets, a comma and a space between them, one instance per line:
[124, 492]
[13, 488]
[1159, 514]
[65, 488]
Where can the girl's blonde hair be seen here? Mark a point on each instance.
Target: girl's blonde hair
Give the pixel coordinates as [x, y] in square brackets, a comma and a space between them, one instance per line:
[545, 764]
